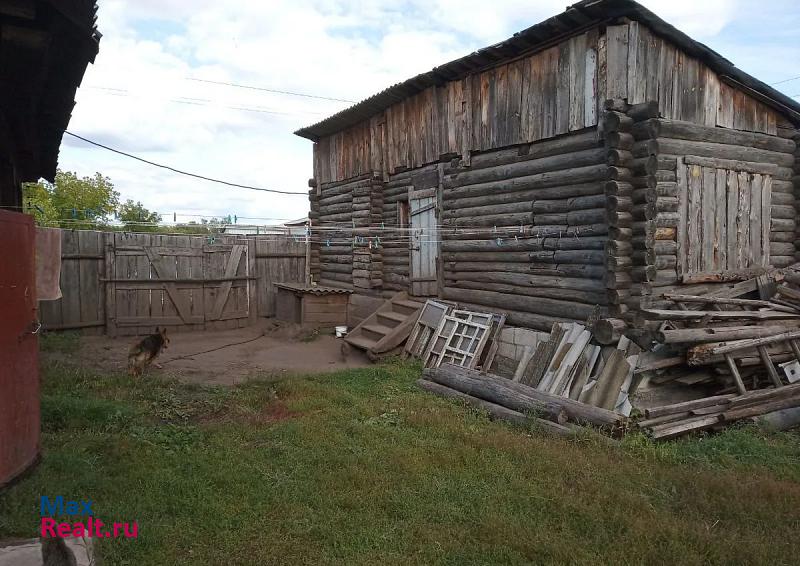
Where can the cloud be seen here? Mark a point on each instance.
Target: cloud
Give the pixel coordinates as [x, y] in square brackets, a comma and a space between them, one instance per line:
[137, 96]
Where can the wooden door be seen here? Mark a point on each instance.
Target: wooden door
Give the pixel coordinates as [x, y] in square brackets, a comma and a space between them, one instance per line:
[724, 217]
[19, 373]
[424, 242]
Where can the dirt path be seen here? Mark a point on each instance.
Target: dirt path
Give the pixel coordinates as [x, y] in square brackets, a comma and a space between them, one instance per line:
[271, 348]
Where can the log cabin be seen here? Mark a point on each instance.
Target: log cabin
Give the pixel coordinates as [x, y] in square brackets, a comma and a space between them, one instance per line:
[580, 168]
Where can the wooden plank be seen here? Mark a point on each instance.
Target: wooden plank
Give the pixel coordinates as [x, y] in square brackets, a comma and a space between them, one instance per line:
[637, 72]
[766, 219]
[252, 290]
[683, 221]
[108, 288]
[756, 246]
[562, 91]
[577, 82]
[92, 305]
[721, 227]
[708, 214]
[742, 217]
[617, 62]
[694, 219]
[70, 280]
[732, 225]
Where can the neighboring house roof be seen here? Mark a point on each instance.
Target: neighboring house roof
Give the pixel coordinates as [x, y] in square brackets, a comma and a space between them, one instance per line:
[299, 222]
[576, 19]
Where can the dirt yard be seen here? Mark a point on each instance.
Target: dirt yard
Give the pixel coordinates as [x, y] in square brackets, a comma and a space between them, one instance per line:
[205, 357]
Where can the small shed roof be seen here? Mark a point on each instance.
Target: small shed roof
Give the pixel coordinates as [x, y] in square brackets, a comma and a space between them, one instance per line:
[576, 19]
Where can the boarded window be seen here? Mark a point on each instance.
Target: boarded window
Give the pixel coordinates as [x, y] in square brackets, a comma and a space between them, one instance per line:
[724, 217]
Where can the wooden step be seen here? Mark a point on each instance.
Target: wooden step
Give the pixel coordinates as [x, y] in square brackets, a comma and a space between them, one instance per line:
[378, 330]
[360, 342]
[407, 306]
[394, 317]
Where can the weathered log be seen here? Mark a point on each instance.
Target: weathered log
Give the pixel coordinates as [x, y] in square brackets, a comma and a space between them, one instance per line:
[587, 297]
[673, 430]
[471, 382]
[539, 280]
[505, 197]
[706, 300]
[542, 306]
[764, 395]
[719, 334]
[620, 140]
[619, 157]
[643, 111]
[496, 411]
[675, 408]
[577, 175]
[608, 330]
[658, 314]
[549, 206]
[783, 419]
[618, 188]
[526, 168]
[674, 146]
[570, 144]
[760, 409]
[695, 132]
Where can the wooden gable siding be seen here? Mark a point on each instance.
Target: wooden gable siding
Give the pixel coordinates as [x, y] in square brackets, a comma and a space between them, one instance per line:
[549, 93]
[643, 67]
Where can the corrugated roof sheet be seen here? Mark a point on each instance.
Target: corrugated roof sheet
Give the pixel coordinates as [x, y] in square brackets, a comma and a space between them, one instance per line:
[313, 290]
[576, 19]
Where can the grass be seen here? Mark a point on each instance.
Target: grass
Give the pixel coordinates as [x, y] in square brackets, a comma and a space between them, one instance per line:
[360, 467]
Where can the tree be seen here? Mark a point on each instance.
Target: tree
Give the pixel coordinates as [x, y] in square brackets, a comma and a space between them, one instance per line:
[136, 218]
[72, 202]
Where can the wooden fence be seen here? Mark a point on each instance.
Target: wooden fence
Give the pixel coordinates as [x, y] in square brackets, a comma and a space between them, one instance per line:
[122, 283]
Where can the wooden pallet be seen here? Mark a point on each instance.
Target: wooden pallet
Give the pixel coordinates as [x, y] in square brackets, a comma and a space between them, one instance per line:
[388, 327]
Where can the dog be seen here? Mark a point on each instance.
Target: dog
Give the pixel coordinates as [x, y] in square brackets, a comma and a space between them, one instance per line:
[144, 352]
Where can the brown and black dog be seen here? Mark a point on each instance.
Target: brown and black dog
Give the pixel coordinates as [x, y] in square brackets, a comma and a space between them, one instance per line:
[144, 352]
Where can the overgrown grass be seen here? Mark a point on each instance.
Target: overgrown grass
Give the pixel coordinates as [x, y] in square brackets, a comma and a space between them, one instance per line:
[360, 467]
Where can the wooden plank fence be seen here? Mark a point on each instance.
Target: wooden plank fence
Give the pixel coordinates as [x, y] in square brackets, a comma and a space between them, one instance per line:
[126, 284]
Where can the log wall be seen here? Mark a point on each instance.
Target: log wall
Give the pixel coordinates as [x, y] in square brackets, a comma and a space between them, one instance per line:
[526, 230]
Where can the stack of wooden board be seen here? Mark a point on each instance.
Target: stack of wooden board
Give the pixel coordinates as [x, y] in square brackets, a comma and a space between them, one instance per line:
[570, 365]
[724, 348]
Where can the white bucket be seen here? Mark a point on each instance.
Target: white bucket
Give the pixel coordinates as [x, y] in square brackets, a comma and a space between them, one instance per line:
[341, 331]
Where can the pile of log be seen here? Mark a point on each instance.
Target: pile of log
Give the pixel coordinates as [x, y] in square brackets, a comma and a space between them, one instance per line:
[737, 347]
[733, 352]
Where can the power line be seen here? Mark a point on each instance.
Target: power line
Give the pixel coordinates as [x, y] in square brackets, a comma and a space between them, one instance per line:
[174, 170]
[273, 90]
[785, 81]
[124, 93]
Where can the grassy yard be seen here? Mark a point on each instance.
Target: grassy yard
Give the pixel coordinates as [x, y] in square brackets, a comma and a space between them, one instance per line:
[362, 468]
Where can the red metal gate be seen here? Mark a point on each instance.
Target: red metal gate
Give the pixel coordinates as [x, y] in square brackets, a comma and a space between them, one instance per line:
[19, 368]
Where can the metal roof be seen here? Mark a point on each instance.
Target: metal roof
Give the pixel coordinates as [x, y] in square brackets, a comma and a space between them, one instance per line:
[576, 19]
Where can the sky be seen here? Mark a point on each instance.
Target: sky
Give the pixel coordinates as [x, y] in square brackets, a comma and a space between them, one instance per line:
[145, 93]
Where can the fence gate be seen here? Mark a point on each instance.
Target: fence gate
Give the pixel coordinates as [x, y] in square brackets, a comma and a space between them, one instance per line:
[179, 281]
